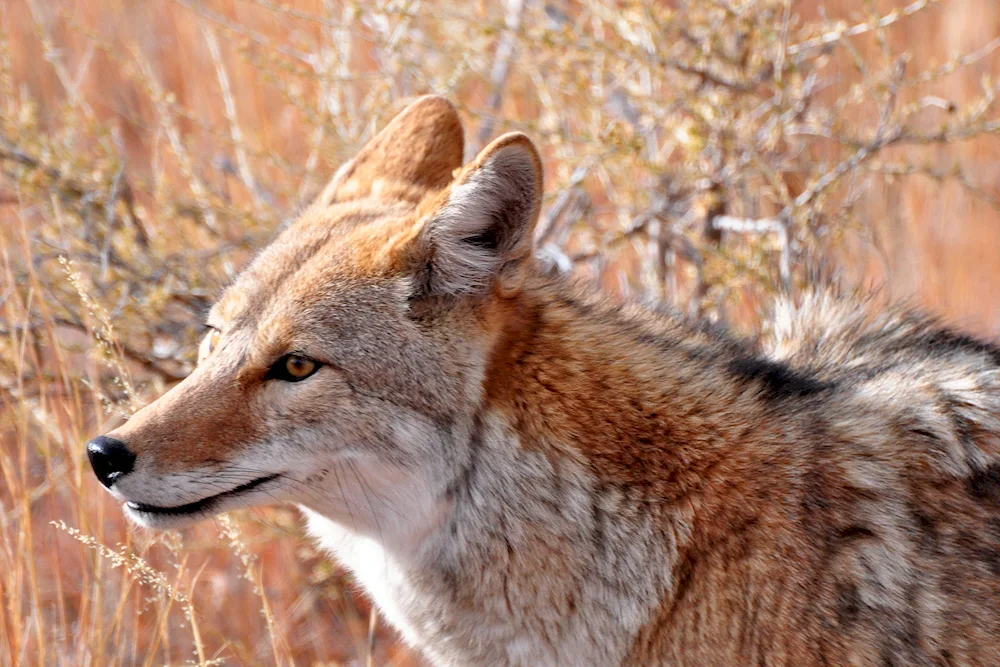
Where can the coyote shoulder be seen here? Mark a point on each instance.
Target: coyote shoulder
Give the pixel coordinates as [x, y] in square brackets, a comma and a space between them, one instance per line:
[522, 472]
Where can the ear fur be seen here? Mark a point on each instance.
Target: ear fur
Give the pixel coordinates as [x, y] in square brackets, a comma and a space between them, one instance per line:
[417, 152]
[482, 232]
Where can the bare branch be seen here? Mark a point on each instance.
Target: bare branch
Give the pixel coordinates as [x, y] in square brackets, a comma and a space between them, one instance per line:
[513, 13]
[860, 28]
[246, 174]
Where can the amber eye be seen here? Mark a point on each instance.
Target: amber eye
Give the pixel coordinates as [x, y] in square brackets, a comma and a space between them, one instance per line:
[292, 368]
[208, 344]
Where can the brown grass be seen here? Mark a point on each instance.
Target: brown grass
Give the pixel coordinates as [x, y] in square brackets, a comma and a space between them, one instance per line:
[707, 153]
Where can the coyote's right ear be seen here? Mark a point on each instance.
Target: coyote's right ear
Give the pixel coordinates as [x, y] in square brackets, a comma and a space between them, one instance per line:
[481, 232]
[417, 152]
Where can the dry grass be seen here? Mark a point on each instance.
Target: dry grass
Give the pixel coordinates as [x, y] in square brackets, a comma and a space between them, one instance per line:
[707, 153]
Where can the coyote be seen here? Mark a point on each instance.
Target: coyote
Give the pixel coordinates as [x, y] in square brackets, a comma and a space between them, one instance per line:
[521, 472]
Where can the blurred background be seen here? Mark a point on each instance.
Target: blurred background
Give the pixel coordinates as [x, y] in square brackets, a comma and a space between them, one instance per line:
[707, 154]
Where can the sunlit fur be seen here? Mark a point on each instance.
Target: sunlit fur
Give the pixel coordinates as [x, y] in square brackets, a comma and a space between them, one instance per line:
[522, 472]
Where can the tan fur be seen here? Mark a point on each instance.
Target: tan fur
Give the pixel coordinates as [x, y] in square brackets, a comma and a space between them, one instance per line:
[521, 472]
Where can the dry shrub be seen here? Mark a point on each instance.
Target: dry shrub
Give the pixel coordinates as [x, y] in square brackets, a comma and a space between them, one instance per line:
[708, 154]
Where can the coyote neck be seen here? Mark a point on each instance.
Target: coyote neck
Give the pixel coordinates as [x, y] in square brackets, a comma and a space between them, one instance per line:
[584, 479]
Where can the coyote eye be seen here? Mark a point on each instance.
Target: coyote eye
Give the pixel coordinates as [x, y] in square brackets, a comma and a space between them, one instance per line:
[208, 344]
[292, 368]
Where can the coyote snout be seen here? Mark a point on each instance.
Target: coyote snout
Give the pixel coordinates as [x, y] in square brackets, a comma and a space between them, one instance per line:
[194, 452]
[522, 473]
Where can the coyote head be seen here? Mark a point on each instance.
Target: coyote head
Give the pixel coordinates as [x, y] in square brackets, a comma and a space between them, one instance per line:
[342, 366]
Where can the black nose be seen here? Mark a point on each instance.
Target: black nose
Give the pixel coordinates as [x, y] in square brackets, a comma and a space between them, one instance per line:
[110, 459]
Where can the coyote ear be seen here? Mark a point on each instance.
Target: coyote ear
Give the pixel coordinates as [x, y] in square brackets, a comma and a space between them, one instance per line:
[482, 231]
[420, 149]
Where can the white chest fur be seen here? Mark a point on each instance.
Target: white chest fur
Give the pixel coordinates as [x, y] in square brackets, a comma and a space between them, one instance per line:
[374, 569]
[526, 566]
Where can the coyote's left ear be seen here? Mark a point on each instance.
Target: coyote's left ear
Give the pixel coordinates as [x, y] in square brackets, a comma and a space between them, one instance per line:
[481, 232]
[416, 153]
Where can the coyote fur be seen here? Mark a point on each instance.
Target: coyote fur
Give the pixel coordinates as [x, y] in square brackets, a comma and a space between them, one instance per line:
[520, 471]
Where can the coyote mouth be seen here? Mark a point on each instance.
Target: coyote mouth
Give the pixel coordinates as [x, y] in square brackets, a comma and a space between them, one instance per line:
[205, 503]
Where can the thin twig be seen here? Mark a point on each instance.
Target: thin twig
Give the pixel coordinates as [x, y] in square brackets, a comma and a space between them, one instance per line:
[775, 226]
[229, 104]
[514, 11]
[546, 225]
[860, 28]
